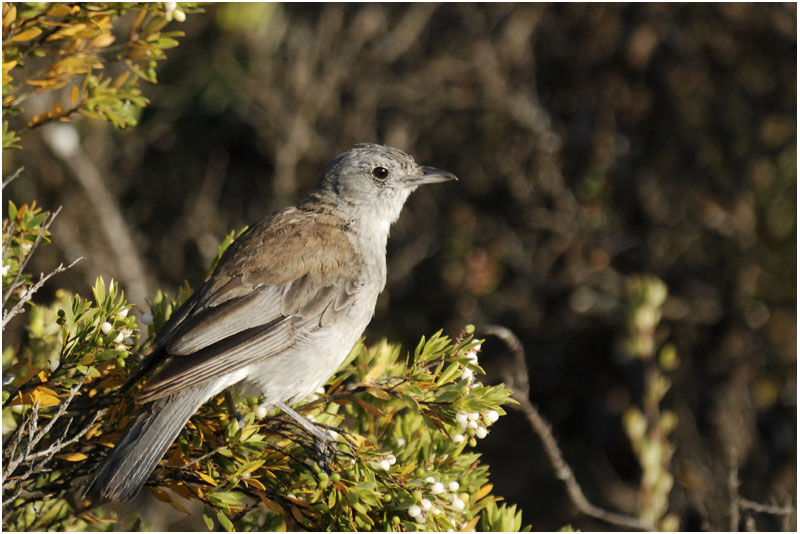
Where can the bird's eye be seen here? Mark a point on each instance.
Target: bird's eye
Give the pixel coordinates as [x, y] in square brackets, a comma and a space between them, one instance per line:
[380, 173]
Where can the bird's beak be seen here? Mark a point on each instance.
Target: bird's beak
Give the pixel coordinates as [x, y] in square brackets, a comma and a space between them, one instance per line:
[430, 175]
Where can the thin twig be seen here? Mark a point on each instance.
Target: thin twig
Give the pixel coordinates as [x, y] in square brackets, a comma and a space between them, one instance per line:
[520, 388]
[564, 472]
[10, 450]
[747, 504]
[29, 292]
[60, 116]
[203, 457]
[33, 424]
[50, 452]
[30, 424]
[13, 177]
[59, 445]
[62, 409]
[520, 382]
[42, 232]
[34, 437]
[8, 231]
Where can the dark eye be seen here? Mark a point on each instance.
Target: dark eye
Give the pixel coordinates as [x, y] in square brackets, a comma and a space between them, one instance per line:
[380, 173]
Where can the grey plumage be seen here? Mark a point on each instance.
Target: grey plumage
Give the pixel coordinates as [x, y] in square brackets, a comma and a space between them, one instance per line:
[138, 452]
[285, 305]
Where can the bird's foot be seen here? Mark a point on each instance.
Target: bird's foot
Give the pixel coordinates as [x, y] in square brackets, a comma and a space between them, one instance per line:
[324, 443]
[325, 449]
[232, 409]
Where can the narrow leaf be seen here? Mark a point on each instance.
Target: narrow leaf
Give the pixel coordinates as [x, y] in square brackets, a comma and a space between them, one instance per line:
[72, 456]
[74, 94]
[369, 408]
[26, 35]
[375, 372]
[224, 521]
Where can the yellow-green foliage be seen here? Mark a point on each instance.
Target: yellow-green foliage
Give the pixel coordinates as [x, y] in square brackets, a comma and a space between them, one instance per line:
[406, 423]
[92, 54]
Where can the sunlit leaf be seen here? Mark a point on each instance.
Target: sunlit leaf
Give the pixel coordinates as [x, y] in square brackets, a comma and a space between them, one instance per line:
[26, 35]
[375, 372]
[72, 456]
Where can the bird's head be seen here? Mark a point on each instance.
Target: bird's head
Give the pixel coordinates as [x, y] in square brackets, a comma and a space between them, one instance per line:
[378, 179]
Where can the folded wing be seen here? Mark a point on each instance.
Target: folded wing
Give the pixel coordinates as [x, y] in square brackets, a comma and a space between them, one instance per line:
[285, 278]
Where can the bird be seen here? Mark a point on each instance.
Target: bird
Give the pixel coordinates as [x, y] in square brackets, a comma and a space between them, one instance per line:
[284, 306]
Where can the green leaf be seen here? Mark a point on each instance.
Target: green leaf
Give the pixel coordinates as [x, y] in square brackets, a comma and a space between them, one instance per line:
[208, 521]
[453, 370]
[10, 137]
[248, 467]
[165, 42]
[224, 521]
[99, 291]
[232, 498]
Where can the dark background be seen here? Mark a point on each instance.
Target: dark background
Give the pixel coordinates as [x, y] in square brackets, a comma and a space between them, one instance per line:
[593, 142]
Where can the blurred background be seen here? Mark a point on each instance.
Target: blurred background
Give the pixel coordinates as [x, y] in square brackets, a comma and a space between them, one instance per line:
[593, 143]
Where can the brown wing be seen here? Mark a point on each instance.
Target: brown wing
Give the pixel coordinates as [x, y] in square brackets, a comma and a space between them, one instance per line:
[288, 275]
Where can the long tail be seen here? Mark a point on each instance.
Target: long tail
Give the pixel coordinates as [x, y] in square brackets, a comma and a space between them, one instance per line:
[136, 455]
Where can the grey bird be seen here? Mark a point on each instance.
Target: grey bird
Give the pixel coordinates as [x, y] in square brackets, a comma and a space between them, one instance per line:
[284, 306]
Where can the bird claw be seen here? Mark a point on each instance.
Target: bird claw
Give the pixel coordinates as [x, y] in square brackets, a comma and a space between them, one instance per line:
[326, 451]
[232, 409]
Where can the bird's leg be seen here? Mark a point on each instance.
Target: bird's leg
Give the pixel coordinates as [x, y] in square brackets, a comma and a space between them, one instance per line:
[232, 408]
[322, 440]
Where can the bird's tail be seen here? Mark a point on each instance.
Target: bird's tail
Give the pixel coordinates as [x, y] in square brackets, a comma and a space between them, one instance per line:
[136, 455]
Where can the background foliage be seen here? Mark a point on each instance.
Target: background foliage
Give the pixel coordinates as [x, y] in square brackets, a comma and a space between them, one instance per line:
[594, 143]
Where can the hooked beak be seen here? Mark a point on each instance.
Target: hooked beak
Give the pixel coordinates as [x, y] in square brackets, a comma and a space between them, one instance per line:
[431, 175]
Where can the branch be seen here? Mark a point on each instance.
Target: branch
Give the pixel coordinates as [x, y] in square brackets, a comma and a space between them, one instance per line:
[204, 456]
[60, 116]
[28, 293]
[13, 177]
[42, 231]
[12, 464]
[747, 504]
[62, 409]
[59, 445]
[8, 229]
[34, 437]
[12, 447]
[521, 389]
